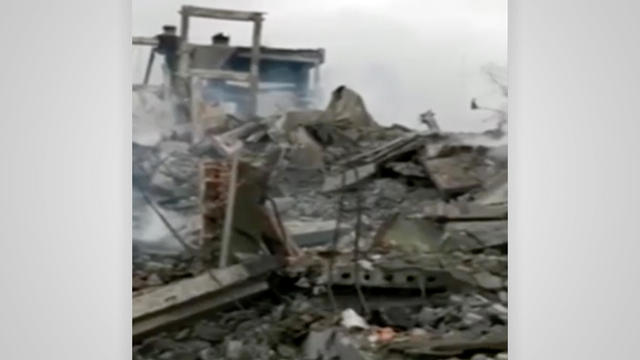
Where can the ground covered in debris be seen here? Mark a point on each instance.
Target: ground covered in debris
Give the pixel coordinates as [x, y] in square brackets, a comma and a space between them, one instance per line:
[392, 242]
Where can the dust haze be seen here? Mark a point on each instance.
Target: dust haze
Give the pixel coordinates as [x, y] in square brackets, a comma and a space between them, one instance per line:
[403, 57]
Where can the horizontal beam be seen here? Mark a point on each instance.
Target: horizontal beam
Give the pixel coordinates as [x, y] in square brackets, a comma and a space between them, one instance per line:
[142, 87]
[195, 11]
[311, 56]
[151, 325]
[142, 40]
[179, 301]
[294, 58]
[220, 74]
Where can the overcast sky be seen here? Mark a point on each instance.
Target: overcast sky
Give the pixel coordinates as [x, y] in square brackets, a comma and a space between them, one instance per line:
[402, 56]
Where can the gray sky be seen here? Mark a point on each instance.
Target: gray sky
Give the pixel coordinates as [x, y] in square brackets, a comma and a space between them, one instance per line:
[402, 56]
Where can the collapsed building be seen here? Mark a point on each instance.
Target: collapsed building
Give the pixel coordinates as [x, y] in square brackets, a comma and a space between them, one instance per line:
[315, 234]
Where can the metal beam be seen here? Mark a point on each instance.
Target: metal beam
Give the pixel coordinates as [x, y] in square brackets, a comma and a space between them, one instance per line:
[142, 40]
[147, 72]
[221, 14]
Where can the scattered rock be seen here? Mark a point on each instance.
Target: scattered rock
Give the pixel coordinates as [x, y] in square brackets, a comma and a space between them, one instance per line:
[286, 351]
[480, 357]
[154, 280]
[504, 297]
[351, 319]
[429, 317]
[210, 332]
[488, 281]
[233, 349]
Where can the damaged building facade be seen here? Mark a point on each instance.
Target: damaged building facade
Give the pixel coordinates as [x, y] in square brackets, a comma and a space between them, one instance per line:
[313, 233]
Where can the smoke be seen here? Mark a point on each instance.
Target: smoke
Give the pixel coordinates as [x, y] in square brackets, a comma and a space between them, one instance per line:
[152, 117]
[403, 57]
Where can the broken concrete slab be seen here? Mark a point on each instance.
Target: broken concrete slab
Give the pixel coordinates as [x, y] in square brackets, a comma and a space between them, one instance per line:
[409, 235]
[313, 233]
[330, 344]
[169, 305]
[483, 234]
[418, 235]
[334, 182]
[495, 190]
[347, 107]
[450, 346]
[306, 152]
[388, 151]
[465, 211]
[291, 120]
[454, 175]
[407, 169]
[488, 281]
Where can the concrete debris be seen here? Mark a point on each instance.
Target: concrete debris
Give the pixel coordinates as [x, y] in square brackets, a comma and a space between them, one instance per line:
[351, 177]
[360, 241]
[428, 118]
[347, 109]
[313, 233]
[166, 306]
[351, 320]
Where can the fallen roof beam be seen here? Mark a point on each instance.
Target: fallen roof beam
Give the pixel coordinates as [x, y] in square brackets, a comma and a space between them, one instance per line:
[196, 11]
[180, 301]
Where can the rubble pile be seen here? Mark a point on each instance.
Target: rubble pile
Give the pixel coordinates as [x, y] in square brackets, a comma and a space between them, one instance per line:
[385, 242]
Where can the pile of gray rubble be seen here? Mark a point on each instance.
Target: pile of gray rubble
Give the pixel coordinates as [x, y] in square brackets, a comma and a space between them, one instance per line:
[350, 240]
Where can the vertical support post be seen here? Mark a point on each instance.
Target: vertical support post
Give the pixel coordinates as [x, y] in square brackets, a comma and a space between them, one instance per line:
[184, 26]
[147, 72]
[316, 84]
[183, 55]
[316, 76]
[255, 65]
[228, 219]
[193, 109]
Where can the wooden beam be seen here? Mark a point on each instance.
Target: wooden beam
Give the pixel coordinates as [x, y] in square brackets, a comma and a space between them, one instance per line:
[222, 14]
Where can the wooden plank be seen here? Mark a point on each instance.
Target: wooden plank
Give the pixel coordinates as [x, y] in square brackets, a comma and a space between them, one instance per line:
[222, 14]
[220, 74]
